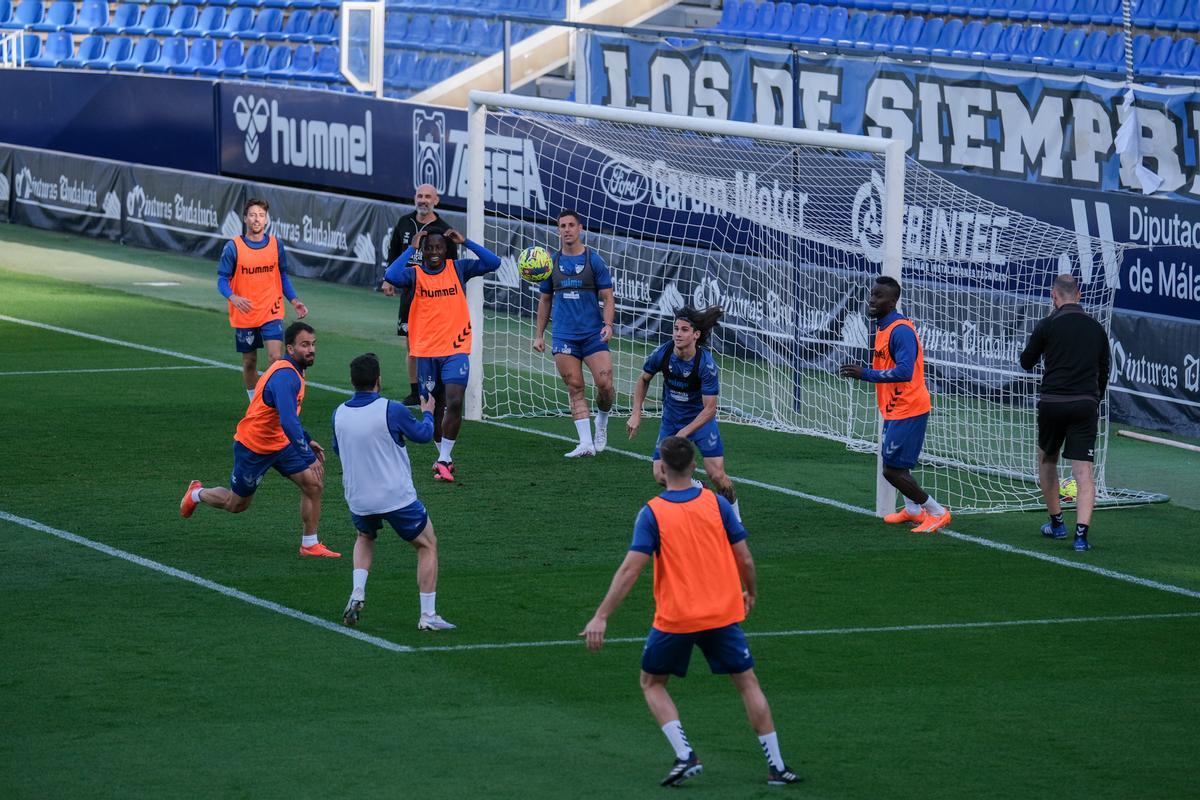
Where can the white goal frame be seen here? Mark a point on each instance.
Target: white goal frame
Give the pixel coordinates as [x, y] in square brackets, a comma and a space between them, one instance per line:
[892, 150]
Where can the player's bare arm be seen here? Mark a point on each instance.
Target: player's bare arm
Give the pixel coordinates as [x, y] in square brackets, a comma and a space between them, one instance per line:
[610, 309]
[240, 303]
[545, 302]
[746, 571]
[301, 309]
[640, 386]
[707, 414]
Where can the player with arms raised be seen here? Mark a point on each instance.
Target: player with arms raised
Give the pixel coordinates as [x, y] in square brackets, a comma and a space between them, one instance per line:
[690, 389]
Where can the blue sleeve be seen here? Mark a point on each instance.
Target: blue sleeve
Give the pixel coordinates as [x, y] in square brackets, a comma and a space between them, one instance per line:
[654, 363]
[288, 291]
[734, 528]
[487, 261]
[903, 344]
[398, 273]
[401, 423]
[600, 269]
[225, 269]
[645, 532]
[710, 382]
[280, 393]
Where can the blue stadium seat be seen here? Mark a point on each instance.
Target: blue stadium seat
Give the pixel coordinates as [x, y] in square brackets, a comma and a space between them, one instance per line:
[1039, 10]
[854, 30]
[1010, 42]
[478, 33]
[1049, 46]
[420, 28]
[322, 27]
[28, 14]
[818, 20]
[1092, 52]
[279, 66]
[1018, 10]
[328, 68]
[307, 4]
[801, 15]
[303, 59]
[194, 2]
[1141, 45]
[780, 22]
[1146, 12]
[116, 49]
[835, 27]
[201, 53]
[1081, 12]
[395, 27]
[729, 13]
[1113, 57]
[1026, 49]
[441, 31]
[125, 15]
[296, 24]
[173, 53]
[153, 17]
[182, 18]
[58, 47]
[90, 49]
[279, 54]
[230, 58]
[949, 38]
[968, 40]
[210, 19]
[931, 31]
[249, 3]
[145, 51]
[1105, 12]
[989, 40]
[93, 14]
[31, 47]
[1173, 11]
[61, 13]
[1180, 60]
[255, 58]
[1154, 61]
[5, 11]
[910, 34]
[1068, 54]
[890, 34]
[239, 20]
[269, 20]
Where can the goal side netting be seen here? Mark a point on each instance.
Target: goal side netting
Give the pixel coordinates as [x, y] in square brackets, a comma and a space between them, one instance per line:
[787, 238]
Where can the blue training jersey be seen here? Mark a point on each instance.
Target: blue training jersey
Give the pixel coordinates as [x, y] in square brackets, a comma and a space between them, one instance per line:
[576, 313]
[685, 384]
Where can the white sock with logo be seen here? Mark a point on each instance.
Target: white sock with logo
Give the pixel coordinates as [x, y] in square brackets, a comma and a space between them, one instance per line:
[934, 507]
[584, 427]
[913, 508]
[428, 603]
[359, 592]
[601, 420]
[444, 448]
[770, 746]
[308, 539]
[678, 739]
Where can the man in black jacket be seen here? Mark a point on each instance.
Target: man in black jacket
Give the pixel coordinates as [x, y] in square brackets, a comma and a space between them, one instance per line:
[424, 218]
[1074, 348]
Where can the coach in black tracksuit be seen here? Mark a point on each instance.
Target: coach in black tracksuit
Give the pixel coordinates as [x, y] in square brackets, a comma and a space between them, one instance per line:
[1074, 348]
[422, 219]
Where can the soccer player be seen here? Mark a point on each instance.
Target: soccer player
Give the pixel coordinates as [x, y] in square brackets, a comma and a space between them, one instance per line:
[690, 389]
[270, 435]
[439, 328]
[898, 372]
[252, 276]
[368, 435]
[573, 295]
[423, 218]
[1074, 349]
[704, 585]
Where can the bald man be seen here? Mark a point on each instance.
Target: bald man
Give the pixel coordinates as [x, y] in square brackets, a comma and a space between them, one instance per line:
[424, 218]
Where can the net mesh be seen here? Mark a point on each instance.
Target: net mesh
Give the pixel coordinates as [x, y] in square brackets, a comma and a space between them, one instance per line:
[787, 239]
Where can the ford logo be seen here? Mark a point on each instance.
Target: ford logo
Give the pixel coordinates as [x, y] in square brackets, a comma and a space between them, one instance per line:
[624, 185]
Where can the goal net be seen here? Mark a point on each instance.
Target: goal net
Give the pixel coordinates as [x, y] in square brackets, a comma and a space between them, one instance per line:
[785, 230]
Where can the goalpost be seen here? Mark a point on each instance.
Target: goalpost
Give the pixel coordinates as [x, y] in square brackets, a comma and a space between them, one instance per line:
[785, 229]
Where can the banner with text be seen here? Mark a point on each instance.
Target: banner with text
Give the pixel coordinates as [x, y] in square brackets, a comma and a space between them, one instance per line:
[66, 193]
[181, 211]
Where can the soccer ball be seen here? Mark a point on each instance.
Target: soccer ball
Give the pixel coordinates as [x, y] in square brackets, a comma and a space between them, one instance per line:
[535, 264]
[1068, 490]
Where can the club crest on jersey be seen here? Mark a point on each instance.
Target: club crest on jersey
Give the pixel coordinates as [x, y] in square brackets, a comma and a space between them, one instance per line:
[570, 269]
[430, 383]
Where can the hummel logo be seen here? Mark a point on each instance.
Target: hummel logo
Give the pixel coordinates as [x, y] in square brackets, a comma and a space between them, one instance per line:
[891, 448]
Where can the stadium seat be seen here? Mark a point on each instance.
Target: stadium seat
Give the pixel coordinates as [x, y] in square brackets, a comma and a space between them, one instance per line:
[279, 66]
[255, 58]
[910, 34]
[328, 67]
[238, 21]
[93, 14]
[1068, 54]
[210, 19]
[1113, 57]
[1147, 12]
[297, 22]
[303, 59]
[125, 15]
[729, 13]
[1180, 60]
[5, 11]
[801, 14]
[949, 39]
[1031, 39]
[249, 3]
[182, 18]
[1059, 11]
[230, 58]
[116, 49]
[1172, 14]
[968, 40]
[322, 28]
[153, 17]
[890, 34]
[780, 22]
[853, 33]
[931, 31]
[1092, 52]
[835, 27]
[1105, 12]
[28, 14]
[989, 40]
[395, 28]
[90, 49]
[764, 18]
[278, 57]
[31, 47]
[1141, 45]
[306, 4]
[1049, 46]
[817, 22]
[145, 51]
[1189, 18]
[269, 20]
[58, 47]
[1154, 60]
[173, 53]
[200, 53]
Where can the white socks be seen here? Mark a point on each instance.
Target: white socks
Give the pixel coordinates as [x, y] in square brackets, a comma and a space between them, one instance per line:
[913, 509]
[196, 494]
[673, 730]
[584, 427]
[934, 507]
[444, 448]
[770, 746]
[428, 603]
[360, 584]
[601, 420]
[308, 540]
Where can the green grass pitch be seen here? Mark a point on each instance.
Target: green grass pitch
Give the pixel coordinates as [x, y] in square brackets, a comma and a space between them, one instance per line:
[1045, 680]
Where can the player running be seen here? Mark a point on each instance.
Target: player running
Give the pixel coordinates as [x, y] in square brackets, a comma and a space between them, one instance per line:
[690, 389]
[898, 372]
[368, 435]
[252, 276]
[439, 328]
[704, 586]
[270, 435]
[573, 295]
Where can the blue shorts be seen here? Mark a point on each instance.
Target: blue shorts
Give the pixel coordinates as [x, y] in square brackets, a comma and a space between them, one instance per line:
[579, 346]
[247, 340]
[903, 440]
[249, 467]
[707, 439]
[434, 373]
[408, 522]
[725, 648]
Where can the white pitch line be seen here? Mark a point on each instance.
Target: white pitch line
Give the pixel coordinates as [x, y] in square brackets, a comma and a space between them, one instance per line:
[228, 591]
[826, 501]
[107, 369]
